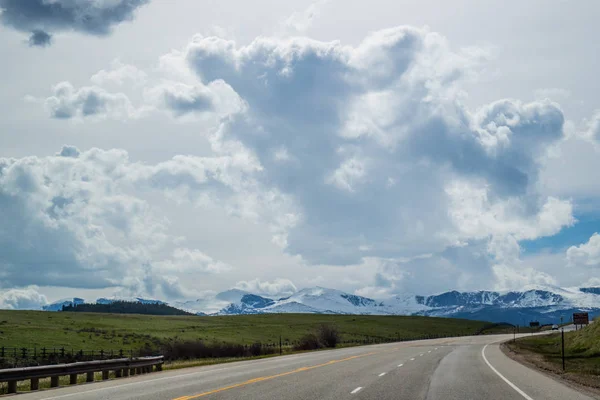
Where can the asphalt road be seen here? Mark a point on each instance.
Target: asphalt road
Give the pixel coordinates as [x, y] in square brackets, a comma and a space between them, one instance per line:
[448, 369]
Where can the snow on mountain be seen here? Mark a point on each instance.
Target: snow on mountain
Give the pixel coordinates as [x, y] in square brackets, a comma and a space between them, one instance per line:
[332, 301]
[58, 305]
[535, 302]
[293, 308]
[110, 300]
[405, 304]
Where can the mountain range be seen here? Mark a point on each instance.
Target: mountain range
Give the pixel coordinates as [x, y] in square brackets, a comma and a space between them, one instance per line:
[545, 304]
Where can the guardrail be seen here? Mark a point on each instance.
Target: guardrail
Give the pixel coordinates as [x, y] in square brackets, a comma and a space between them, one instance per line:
[121, 367]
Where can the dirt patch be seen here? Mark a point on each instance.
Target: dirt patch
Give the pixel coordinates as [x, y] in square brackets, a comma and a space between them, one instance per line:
[589, 384]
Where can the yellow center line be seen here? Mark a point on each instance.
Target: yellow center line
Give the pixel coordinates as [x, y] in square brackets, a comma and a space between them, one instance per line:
[269, 377]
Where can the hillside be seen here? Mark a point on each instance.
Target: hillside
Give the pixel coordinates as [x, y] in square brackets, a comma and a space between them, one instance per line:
[125, 307]
[91, 331]
[582, 354]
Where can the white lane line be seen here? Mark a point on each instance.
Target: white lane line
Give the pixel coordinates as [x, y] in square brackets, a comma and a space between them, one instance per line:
[512, 385]
[412, 359]
[400, 365]
[421, 355]
[429, 351]
[382, 374]
[436, 348]
[356, 390]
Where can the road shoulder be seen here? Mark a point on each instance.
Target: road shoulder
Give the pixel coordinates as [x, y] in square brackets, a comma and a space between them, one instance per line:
[588, 385]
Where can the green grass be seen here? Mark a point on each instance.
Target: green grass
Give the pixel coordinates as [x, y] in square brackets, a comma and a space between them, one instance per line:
[582, 349]
[83, 331]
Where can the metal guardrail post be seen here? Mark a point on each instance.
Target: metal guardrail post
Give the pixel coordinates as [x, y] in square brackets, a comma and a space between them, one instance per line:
[122, 367]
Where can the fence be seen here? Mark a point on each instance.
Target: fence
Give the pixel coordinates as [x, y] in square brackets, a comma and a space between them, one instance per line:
[121, 367]
[13, 357]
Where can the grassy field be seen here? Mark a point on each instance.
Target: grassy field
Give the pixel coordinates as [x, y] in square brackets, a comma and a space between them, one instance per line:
[83, 331]
[582, 352]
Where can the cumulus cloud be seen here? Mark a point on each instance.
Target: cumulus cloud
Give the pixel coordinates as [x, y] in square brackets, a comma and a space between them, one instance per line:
[508, 278]
[77, 219]
[44, 17]
[119, 74]
[191, 261]
[359, 156]
[373, 137]
[586, 254]
[87, 102]
[22, 299]
[276, 288]
[183, 99]
[593, 130]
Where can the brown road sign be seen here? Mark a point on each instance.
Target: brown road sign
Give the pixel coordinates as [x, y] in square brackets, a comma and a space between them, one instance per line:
[581, 318]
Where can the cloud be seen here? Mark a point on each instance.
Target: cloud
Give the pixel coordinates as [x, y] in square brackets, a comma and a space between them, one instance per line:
[22, 299]
[182, 99]
[586, 254]
[191, 261]
[593, 130]
[67, 102]
[40, 39]
[44, 17]
[302, 21]
[276, 288]
[119, 74]
[376, 135]
[79, 219]
[508, 278]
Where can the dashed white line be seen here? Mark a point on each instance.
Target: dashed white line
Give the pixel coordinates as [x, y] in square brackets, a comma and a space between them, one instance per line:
[356, 390]
[412, 359]
[382, 374]
[436, 348]
[421, 355]
[400, 365]
[512, 385]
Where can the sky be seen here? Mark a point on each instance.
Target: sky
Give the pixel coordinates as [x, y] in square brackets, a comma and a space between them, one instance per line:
[175, 149]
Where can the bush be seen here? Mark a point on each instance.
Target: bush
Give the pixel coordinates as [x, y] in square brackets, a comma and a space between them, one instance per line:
[328, 335]
[199, 349]
[309, 341]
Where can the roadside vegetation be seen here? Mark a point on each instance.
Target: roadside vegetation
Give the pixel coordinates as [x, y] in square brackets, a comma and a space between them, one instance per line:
[94, 331]
[582, 354]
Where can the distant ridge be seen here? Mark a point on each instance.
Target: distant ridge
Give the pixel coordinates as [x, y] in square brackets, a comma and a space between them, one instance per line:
[546, 304]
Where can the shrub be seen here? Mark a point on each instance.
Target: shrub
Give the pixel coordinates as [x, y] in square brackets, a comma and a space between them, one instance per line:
[309, 341]
[199, 349]
[328, 335]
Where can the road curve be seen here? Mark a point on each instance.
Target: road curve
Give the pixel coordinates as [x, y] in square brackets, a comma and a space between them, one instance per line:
[453, 368]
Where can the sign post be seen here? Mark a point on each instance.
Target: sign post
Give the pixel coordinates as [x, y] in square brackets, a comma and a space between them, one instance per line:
[562, 335]
[581, 318]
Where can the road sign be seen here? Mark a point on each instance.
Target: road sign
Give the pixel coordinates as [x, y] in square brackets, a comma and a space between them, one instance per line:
[581, 318]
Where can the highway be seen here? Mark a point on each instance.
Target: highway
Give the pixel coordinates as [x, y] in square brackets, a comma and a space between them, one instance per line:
[450, 369]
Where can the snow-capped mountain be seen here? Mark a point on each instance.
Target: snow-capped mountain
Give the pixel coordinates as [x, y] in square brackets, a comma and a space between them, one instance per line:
[110, 300]
[540, 303]
[546, 304]
[58, 305]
